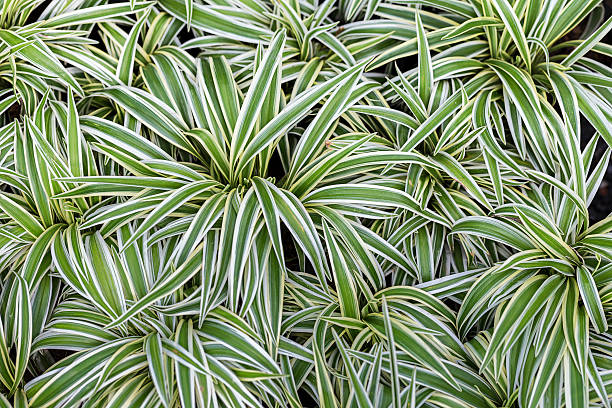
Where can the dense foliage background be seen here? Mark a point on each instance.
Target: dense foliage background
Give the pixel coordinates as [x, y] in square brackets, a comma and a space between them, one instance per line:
[293, 203]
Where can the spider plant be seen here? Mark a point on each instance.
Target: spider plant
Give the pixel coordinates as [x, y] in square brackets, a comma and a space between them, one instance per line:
[293, 203]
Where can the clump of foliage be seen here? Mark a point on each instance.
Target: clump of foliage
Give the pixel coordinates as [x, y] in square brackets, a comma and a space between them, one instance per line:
[293, 203]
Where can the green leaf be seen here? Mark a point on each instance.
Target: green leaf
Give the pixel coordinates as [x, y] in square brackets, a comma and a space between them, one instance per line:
[473, 23]
[126, 61]
[590, 297]
[358, 389]
[514, 28]
[426, 75]
[38, 54]
[254, 99]
[344, 282]
[22, 217]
